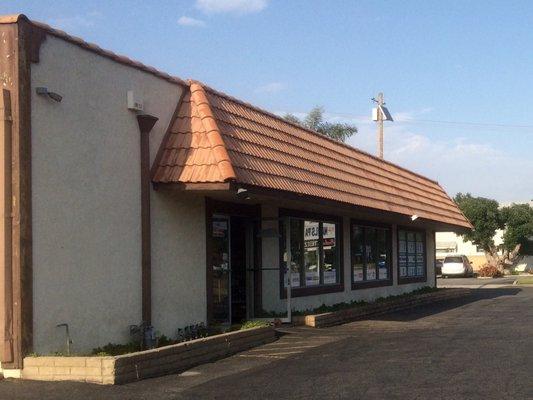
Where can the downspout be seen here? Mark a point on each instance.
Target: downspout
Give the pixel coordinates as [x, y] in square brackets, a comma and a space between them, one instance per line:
[146, 123]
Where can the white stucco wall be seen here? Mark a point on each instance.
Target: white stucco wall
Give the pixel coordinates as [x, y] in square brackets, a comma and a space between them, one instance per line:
[270, 279]
[462, 246]
[178, 261]
[86, 196]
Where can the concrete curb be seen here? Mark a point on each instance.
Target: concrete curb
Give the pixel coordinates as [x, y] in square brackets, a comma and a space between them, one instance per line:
[358, 313]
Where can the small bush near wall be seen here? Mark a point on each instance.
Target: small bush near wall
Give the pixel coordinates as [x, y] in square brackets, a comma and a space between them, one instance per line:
[358, 303]
[489, 271]
[113, 349]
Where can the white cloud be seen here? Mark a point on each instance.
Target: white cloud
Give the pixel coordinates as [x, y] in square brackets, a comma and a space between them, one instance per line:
[73, 22]
[271, 88]
[231, 6]
[189, 21]
[459, 165]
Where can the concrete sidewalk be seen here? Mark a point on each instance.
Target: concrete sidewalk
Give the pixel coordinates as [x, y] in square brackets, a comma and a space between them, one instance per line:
[476, 283]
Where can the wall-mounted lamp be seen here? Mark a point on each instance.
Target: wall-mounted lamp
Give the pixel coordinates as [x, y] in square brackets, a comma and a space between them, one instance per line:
[43, 91]
[414, 217]
[242, 193]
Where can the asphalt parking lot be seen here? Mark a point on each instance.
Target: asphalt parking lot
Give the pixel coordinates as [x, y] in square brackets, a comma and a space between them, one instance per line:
[478, 347]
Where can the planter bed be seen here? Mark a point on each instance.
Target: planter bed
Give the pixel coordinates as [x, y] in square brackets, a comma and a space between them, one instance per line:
[145, 364]
[360, 312]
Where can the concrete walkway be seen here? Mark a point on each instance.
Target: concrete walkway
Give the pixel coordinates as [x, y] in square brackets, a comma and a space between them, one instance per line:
[476, 283]
[478, 347]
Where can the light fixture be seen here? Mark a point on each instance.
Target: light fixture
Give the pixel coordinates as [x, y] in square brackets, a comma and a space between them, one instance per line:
[414, 217]
[243, 193]
[43, 91]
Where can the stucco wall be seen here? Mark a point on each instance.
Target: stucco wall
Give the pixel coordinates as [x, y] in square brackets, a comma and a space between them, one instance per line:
[178, 260]
[270, 279]
[86, 195]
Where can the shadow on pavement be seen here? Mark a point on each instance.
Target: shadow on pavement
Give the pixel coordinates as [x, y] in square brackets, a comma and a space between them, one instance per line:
[445, 305]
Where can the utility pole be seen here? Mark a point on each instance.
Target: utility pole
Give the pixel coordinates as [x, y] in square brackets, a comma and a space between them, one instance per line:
[380, 114]
[380, 125]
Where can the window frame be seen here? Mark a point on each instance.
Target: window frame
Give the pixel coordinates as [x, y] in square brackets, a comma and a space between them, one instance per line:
[377, 282]
[416, 279]
[321, 288]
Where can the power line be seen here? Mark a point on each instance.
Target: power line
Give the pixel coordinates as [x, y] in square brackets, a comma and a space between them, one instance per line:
[407, 120]
[432, 121]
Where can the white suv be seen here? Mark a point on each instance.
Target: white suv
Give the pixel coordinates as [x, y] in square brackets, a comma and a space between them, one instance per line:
[455, 265]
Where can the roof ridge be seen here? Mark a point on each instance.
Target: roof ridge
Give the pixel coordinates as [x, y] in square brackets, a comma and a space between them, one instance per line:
[281, 119]
[218, 147]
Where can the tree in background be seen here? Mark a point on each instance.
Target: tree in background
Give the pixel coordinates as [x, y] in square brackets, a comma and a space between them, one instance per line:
[315, 121]
[487, 217]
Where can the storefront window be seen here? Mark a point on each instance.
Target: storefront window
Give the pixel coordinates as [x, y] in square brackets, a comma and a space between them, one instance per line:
[411, 255]
[371, 250]
[315, 252]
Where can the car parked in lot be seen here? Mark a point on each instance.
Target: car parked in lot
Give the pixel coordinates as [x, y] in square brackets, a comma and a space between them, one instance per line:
[456, 265]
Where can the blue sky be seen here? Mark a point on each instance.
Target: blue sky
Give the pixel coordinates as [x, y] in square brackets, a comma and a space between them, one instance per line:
[456, 61]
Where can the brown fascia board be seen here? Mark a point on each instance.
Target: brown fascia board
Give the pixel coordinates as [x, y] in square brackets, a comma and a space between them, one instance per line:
[15, 61]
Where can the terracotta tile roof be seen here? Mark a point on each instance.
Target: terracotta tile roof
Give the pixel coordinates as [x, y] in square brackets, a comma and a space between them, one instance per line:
[217, 138]
[11, 19]
[194, 150]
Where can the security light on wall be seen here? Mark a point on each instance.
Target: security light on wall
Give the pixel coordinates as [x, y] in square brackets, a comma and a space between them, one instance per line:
[43, 91]
[242, 193]
[414, 217]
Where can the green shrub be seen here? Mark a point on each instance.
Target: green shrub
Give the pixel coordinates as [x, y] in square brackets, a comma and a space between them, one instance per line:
[113, 349]
[254, 324]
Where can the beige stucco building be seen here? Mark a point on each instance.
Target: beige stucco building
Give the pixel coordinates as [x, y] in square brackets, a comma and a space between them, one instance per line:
[450, 243]
[188, 209]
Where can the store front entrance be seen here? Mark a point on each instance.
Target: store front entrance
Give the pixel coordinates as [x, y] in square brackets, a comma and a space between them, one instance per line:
[232, 258]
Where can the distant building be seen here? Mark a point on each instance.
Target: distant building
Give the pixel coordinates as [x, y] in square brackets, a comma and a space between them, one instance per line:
[450, 243]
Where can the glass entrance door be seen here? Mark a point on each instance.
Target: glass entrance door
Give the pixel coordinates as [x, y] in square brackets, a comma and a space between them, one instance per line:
[221, 264]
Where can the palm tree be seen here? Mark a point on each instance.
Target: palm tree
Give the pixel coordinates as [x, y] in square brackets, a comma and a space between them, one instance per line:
[315, 121]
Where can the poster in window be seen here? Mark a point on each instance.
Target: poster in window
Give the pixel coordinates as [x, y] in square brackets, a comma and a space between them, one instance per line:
[419, 270]
[358, 273]
[295, 281]
[312, 278]
[383, 272]
[403, 246]
[330, 277]
[402, 260]
[411, 265]
[371, 272]
[220, 228]
[411, 247]
[420, 247]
